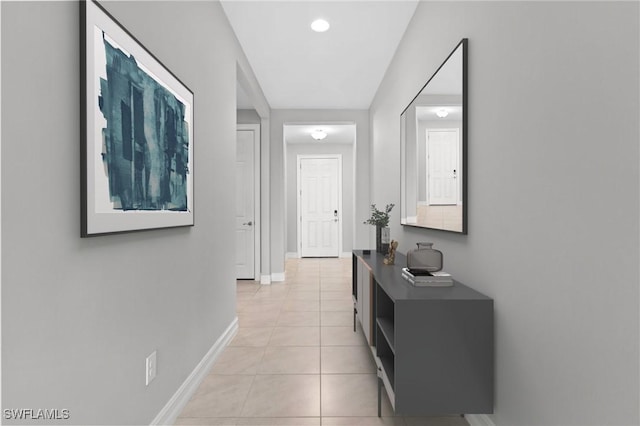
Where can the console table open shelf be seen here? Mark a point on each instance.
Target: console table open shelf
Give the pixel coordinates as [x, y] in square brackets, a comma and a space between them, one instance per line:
[434, 346]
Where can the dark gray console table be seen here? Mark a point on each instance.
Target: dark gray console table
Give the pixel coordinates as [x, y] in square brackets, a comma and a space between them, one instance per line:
[433, 346]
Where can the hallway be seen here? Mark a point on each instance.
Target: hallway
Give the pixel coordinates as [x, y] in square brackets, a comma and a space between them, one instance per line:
[295, 359]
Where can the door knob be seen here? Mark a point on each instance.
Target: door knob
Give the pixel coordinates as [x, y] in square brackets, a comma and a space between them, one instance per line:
[248, 223]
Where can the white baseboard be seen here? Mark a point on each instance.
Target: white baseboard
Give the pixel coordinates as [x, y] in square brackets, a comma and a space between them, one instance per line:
[277, 277]
[273, 278]
[173, 408]
[293, 255]
[479, 420]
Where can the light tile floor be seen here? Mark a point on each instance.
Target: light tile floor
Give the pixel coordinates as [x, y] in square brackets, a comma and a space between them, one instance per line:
[295, 360]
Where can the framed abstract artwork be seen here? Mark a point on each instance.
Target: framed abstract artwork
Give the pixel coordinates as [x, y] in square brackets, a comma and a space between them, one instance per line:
[136, 133]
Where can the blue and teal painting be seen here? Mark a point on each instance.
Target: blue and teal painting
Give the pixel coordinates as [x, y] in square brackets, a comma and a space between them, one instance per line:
[146, 139]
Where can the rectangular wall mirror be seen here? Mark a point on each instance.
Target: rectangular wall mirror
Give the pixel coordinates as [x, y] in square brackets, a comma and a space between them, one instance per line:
[433, 145]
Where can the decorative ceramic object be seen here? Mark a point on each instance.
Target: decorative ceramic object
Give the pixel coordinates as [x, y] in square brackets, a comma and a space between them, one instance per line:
[424, 258]
[390, 259]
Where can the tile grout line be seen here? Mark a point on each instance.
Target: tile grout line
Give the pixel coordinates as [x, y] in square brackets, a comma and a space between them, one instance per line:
[281, 310]
[253, 377]
[246, 398]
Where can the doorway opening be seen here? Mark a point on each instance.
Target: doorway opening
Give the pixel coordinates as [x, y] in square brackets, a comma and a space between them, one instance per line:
[252, 206]
[247, 201]
[320, 197]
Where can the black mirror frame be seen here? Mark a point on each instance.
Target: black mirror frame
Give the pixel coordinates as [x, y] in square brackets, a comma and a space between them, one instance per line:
[465, 131]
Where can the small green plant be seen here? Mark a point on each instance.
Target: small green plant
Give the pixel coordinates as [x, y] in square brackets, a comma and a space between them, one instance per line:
[379, 218]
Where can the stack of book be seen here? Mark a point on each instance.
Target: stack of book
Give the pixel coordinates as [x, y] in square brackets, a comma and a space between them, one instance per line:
[423, 278]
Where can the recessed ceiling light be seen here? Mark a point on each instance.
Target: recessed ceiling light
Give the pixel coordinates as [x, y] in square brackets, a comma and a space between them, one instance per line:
[442, 113]
[319, 135]
[320, 25]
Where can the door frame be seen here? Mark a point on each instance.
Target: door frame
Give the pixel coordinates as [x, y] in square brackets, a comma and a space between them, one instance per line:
[299, 159]
[256, 195]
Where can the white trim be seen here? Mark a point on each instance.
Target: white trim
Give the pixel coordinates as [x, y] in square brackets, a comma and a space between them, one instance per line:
[479, 420]
[265, 279]
[299, 208]
[292, 255]
[272, 278]
[346, 254]
[265, 195]
[256, 194]
[277, 277]
[0, 217]
[173, 408]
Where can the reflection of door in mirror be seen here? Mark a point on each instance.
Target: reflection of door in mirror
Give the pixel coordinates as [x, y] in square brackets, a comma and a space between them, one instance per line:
[442, 166]
[442, 206]
[439, 168]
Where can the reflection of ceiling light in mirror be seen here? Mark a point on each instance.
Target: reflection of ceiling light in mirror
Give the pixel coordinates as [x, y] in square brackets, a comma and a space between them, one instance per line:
[442, 113]
[320, 25]
[319, 135]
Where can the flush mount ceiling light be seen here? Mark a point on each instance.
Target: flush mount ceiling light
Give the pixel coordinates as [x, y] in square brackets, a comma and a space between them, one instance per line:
[442, 113]
[319, 135]
[320, 25]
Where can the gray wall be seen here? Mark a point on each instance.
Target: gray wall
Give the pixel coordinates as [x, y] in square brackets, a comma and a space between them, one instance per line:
[553, 194]
[79, 316]
[277, 195]
[248, 116]
[292, 152]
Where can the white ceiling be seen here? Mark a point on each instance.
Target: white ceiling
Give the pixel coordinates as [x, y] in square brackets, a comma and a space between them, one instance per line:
[298, 68]
[336, 133]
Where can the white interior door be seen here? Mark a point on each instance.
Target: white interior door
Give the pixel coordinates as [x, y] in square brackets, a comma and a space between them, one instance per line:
[245, 203]
[319, 206]
[443, 166]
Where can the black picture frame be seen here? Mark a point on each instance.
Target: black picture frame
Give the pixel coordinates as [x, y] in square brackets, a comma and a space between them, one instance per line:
[136, 133]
